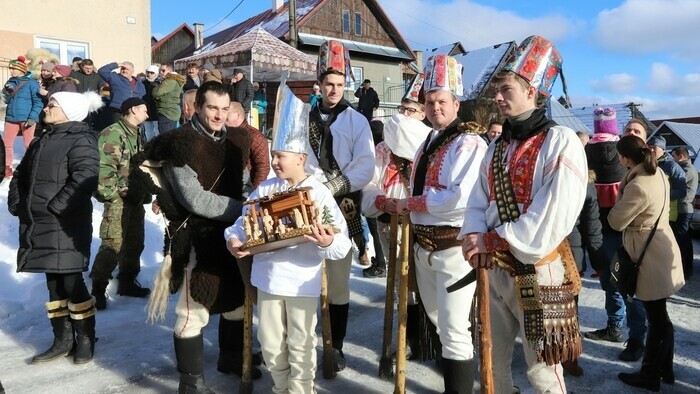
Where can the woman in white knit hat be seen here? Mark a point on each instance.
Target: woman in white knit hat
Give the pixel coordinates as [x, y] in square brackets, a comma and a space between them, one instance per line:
[50, 194]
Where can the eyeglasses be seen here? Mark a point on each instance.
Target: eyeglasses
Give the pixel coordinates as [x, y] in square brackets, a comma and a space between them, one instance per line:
[52, 105]
[407, 110]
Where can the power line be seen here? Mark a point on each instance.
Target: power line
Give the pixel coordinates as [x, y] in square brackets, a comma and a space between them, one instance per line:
[224, 18]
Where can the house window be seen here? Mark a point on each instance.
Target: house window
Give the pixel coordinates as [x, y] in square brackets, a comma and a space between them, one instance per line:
[358, 72]
[358, 24]
[64, 50]
[346, 21]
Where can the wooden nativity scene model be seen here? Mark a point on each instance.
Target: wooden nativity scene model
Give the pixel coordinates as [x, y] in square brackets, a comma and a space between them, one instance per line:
[282, 220]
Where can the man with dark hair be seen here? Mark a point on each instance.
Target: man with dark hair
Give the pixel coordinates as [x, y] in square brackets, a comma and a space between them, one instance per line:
[243, 91]
[685, 209]
[202, 171]
[121, 231]
[343, 159]
[369, 100]
[88, 79]
[493, 131]
[193, 80]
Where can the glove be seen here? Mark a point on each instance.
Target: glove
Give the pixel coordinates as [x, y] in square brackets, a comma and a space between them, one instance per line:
[29, 123]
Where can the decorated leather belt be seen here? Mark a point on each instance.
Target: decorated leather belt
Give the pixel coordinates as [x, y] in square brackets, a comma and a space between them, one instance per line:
[506, 261]
[436, 238]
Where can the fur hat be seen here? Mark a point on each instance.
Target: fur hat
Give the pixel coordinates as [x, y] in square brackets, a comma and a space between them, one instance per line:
[605, 121]
[538, 62]
[77, 106]
[333, 55]
[63, 70]
[658, 141]
[19, 64]
[443, 72]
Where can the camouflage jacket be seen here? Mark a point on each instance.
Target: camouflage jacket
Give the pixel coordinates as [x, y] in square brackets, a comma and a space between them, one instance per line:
[117, 144]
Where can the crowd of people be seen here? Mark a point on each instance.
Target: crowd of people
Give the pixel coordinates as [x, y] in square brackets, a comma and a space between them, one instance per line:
[526, 199]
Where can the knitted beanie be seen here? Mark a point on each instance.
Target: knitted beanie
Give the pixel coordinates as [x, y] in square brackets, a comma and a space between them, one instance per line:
[63, 70]
[19, 64]
[76, 106]
[48, 66]
[605, 120]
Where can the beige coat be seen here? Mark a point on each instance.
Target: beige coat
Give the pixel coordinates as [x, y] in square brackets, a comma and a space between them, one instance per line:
[639, 204]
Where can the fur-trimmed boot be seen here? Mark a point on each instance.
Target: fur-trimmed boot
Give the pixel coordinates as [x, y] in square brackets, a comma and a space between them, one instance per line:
[62, 332]
[189, 353]
[339, 324]
[83, 317]
[231, 349]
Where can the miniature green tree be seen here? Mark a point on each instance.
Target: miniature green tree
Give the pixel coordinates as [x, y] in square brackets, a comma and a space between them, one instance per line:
[326, 217]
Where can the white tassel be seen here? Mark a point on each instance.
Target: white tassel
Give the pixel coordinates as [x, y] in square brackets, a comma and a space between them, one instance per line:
[158, 302]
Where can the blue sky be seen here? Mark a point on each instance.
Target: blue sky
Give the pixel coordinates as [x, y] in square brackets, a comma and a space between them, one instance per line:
[646, 51]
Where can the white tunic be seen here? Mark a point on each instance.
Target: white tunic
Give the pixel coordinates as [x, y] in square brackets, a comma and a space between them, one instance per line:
[353, 149]
[449, 181]
[558, 192]
[295, 270]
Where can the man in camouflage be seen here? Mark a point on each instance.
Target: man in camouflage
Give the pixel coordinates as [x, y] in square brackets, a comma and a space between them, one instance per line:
[121, 230]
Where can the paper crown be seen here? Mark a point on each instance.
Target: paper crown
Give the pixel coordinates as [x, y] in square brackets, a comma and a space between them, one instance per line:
[605, 120]
[290, 132]
[415, 90]
[539, 63]
[333, 55]
[443, 72]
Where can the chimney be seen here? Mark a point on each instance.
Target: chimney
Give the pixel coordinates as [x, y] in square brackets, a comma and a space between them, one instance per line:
[198, 35]
[276, 4]
[419, 59]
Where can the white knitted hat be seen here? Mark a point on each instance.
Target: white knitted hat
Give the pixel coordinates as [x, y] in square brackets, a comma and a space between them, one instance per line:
[76, 106]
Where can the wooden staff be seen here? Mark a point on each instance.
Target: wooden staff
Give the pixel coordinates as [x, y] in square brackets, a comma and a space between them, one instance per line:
[485, 346]
[386, 367]
[246, 386]
[400, 384]
[328, 353]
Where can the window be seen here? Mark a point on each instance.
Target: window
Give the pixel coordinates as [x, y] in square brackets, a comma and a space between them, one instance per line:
[64, 50]
[358, 73]
[346, 21]
[358, 24]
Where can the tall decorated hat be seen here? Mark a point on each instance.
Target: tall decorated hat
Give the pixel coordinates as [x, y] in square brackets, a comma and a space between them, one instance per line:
[290, 132]
[443, 72]
[538, 62]
[415, 90]
[333, 55]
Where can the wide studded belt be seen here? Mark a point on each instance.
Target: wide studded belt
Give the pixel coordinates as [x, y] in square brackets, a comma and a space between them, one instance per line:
[436, 238]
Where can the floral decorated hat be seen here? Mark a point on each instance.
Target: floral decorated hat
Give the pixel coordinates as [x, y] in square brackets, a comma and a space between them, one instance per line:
[333, 55]
[443, 72]
[415, 91]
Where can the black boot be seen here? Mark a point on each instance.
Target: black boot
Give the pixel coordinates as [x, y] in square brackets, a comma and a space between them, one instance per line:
[376, 270]
[99, 291]
[130, 287]
[83, 317]
[189, 353]
[609, 333]
[62, 332]
[339, 325]
[2, 389]
[667, 350]
[412, 323]
[458, 376]
[231, 349]
[649, 376]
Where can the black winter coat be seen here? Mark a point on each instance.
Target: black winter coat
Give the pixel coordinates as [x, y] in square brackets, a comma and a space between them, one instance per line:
[587, 234]
[2, 160]
[50, 194]
[243, 93]
[602, 159]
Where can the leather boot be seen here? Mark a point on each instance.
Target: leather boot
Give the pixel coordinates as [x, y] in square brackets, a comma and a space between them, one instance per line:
[231, 349]
[339, 324]
[130, 287]
[458, 376]
[572, 368]
[83, 317]
[667, 350]
[2, 389]
[189, 353]
[99, 291]
[412, 326]
[62, 332]
[649, 376]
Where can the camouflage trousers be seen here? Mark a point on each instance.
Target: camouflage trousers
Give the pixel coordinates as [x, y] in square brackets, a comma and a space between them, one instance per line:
[122, 235]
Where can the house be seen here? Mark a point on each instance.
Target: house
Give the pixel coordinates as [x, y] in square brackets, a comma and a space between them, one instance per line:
[680, 134]
[377, 49]
[692, 120]
[168, 48]
[625, 112]
[102, 31]
[563, 117]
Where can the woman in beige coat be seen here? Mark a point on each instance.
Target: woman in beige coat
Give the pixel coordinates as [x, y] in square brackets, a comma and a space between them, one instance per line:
[640, 201]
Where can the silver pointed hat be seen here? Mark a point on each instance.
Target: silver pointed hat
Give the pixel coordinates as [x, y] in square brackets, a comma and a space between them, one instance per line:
[290, 132]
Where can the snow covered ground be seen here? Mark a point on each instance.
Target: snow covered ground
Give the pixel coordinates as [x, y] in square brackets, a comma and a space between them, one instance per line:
[132, 356]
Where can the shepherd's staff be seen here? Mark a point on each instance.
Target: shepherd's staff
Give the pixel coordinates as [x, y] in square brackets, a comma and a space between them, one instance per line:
[328, 353]
[400, 384]
[386, 368]
[482, 299]
[246, 385]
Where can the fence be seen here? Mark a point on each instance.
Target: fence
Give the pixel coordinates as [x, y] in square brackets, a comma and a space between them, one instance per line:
[390, 95]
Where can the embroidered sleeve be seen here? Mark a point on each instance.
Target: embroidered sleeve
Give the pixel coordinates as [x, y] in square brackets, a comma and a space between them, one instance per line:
[418, 203]
[494, 242]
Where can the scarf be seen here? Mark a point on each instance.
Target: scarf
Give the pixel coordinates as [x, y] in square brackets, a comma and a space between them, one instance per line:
[536, 123]
[429, 148]
[199, 127]
[320, 135]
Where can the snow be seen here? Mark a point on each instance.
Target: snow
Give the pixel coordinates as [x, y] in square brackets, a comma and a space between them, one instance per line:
[132, 356]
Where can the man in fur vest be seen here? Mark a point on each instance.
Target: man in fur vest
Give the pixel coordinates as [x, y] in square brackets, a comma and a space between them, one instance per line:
[200, 195]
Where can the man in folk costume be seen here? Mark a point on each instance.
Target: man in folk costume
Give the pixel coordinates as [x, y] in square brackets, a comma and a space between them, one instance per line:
[445, 169]
[531, 188]
[343, 159]
[403, 135]
[201, 195]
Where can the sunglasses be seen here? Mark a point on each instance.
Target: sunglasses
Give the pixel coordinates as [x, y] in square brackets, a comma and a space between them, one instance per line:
[407, 110]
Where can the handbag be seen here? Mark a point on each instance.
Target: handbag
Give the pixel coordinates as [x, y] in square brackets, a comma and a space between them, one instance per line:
[624, 270]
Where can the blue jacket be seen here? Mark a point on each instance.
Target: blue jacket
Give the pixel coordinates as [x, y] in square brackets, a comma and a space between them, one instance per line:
[26, 103]
[119, 87]
[676, 176]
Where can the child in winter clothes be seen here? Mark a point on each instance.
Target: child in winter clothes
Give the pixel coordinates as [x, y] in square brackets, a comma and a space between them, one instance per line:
[288, 280]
